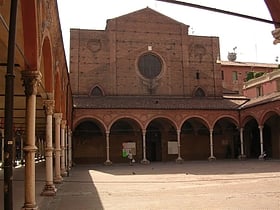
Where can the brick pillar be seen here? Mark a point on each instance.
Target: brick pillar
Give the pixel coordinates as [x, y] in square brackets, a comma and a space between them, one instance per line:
[57, 179]
[49, 189]
[30, 82]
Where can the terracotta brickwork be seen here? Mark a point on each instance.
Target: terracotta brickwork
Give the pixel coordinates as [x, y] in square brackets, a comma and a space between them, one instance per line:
[109, 59]
[146, 81]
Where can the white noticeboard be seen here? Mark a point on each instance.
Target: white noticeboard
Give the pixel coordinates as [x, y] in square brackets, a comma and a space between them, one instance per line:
[172, 147]
[129, 147]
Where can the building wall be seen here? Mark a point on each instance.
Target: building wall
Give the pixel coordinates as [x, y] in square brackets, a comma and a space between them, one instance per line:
[109, 59]
[235, 73]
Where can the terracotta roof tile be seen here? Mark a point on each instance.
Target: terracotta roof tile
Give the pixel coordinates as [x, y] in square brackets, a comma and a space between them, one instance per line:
[137, 102]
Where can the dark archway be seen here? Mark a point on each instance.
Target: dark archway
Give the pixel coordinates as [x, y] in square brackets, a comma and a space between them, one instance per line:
[124, 131]
[226, 139]
[89, 143]
[252, 139]
[195, 140]
[160, 134]
[271, 135]
[153, 143]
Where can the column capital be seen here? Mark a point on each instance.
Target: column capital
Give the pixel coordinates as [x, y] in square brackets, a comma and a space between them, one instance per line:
[63, 124]
[276, 35]
[57, 116]
[31, 80]
[49, 106]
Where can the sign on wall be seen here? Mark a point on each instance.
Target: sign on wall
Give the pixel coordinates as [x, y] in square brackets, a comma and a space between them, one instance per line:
[172, 147]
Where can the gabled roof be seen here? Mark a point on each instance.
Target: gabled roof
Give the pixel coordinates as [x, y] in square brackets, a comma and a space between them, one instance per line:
[148, 14]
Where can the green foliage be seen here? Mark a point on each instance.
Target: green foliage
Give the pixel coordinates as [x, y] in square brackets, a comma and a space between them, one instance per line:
[253, 75]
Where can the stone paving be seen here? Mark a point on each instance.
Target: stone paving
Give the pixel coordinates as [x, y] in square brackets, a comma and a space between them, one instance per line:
[244, 185]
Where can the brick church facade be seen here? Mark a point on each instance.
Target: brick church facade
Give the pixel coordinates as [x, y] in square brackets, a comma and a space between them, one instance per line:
[146, 85]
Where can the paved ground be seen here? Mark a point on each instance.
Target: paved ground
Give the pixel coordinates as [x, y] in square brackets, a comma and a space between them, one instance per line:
[228, 185]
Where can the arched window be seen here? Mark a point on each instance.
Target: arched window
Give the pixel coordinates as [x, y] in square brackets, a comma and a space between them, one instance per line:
[199, 93]
[96, 91]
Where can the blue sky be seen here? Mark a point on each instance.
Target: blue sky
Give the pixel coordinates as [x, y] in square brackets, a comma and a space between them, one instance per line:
[253, 39]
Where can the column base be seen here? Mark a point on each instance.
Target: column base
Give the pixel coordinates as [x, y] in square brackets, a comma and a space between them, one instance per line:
[58, 180]
[211, 158]
[49, 190]
[145, 162]
[29, 207]
[108, 163]
[262, 157]
[242, 157]
[64, 173]
[179, 160]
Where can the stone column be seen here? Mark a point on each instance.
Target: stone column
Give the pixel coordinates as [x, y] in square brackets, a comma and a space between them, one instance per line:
[49, 189]
[2, 146]
[30, 82]
[144, 161]
[212, 157]
[108, 162]
[62, 140]
[66, 150]
[21, 150]
[57, 177]
[69, 149]
[242, 156]
[179, 159]
[261, 157]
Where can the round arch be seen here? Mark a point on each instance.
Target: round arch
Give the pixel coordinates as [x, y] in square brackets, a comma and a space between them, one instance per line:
[89, 141]
[197, 117]
[227, 117]
[89, 118]
[47, 65]
[161, 133]
[166, 118]
[226, 138]
[267, 115]
[246, 119]
[195, 138]
[125, 117]
[125, 131]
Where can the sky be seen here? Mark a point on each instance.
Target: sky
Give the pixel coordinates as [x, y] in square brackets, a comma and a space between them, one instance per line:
[253, 39]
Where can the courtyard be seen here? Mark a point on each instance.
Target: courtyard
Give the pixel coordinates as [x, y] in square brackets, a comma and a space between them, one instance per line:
[246, 185]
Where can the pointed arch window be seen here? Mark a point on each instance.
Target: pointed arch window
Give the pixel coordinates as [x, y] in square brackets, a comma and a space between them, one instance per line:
[96, 91]
[199, 93]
